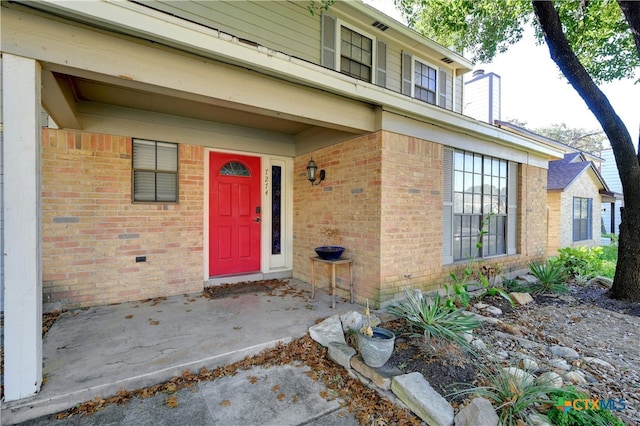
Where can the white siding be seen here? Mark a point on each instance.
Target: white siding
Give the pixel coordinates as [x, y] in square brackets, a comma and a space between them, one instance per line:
[287, 27]
[609, 172]
[482, 98]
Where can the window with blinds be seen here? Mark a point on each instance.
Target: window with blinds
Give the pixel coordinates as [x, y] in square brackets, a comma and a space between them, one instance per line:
[155, 171]
[480, 206]
[582, 218]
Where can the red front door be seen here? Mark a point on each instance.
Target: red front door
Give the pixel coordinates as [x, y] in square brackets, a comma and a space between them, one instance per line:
[234, 218]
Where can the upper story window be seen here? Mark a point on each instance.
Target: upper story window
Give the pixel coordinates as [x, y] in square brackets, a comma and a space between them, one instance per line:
[582, 218]
[425, 83]
[353, 52]
[356, 54]
[155, 171]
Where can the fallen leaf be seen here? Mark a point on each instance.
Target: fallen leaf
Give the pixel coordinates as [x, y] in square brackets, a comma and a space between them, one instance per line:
[225, 403]
[281, 396]
[275, 388]
[171, 402]
[253, 380]
[129, 316]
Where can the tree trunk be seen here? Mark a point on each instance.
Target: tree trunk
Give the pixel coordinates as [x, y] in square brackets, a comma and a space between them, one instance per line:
[627, 279]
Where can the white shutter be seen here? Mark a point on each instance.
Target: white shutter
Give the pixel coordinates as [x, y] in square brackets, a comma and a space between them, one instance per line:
[512, 208]
[407, 80]
[447, 208]
[328, 57]
[381, 68]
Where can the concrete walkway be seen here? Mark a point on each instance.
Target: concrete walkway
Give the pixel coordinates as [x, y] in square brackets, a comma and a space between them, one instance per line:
[95, 352]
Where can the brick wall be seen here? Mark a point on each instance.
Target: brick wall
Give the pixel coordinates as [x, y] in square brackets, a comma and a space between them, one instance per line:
[554, 222]
[532, 224]
[92, 232]
[384, 193]
[348, 200]
[412, 181]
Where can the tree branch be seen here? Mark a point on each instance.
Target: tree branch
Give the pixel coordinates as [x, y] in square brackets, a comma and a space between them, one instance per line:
[631, 10]
[563, 55]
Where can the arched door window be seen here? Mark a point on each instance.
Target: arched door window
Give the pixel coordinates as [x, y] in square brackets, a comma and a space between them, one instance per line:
[234, 168]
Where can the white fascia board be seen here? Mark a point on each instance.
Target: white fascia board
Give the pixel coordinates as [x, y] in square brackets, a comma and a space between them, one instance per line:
[139, 20]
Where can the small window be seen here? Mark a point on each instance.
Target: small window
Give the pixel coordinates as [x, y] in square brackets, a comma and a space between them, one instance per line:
[582, 218]
[356, 54]
[234, 168]
[155, 171]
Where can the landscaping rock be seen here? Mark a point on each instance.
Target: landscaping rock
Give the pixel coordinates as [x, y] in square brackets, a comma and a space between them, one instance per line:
[328, 331]
[575, 377]
[601, 281]
[598, 361]
[478, 412]
[341, 353]
[564, 352]
[550, 378]
[521, 298]
[417, 394]
[478, 344]
[351, 321]
[538, 419]
[381, 377]
[493, 310]
[528, 278]
[560, 364]
[488, 320]
[519, 376]
[528, 364]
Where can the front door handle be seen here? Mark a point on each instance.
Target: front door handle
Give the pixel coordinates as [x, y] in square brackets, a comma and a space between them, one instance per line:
[257, 219]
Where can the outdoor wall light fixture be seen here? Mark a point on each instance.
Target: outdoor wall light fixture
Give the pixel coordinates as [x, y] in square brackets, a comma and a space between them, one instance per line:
[311, 173]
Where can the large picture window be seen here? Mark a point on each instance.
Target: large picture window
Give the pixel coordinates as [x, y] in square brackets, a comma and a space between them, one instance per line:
[582, 218]
[480, 206]
[155, 171]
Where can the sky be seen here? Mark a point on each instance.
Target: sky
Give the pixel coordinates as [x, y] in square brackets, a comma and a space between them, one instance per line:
[533, 90]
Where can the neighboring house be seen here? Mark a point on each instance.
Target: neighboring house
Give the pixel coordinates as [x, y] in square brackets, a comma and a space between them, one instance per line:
[611, 212]
[184, 132]
[576, 195]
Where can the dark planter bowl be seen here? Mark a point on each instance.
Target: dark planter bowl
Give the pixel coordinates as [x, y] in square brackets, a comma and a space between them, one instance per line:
[330, 252]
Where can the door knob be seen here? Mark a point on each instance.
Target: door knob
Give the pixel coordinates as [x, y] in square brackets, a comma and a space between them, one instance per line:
[257, 219]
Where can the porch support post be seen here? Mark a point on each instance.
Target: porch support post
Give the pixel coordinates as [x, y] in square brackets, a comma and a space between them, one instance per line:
[21, 230]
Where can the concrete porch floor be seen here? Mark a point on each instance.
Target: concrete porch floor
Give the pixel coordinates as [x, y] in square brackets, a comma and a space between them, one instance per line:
[95, 352]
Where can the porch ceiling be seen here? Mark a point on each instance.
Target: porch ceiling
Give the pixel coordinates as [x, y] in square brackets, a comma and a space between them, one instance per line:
[85, 90]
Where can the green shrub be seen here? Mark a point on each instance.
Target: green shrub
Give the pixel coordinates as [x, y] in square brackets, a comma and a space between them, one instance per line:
[510, 395]
[578, 417]
[429, 317]
[550, 276]
[513, 285]
[580, 260]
